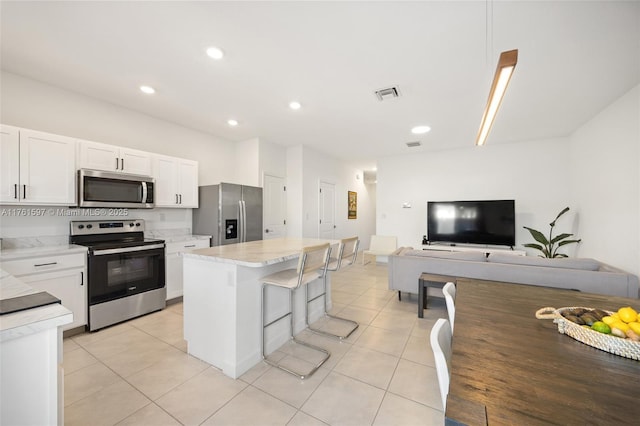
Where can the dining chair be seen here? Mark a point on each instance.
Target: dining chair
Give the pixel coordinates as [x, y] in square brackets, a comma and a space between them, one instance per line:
[312, 263]
[449, 291]
[441, 345]
[347, 253]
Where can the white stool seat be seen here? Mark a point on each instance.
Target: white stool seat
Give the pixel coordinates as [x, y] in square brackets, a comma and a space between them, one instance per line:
[347, 253]
[290, 278]
[312, 264]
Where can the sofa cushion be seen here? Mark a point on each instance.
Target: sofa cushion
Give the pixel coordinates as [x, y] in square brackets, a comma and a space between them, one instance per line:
[565, 263]
[474, 256]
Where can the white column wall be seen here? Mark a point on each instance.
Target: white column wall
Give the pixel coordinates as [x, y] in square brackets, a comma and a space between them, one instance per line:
[605, 183]
[305, 169]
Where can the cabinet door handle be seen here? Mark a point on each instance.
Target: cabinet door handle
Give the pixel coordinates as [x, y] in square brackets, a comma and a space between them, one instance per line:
[46, 264]
[190, 245]
[180, 199]
[24, 192]
[15, 191]
[81, 278]
[117, 163]
[122, 164]
[176, 198]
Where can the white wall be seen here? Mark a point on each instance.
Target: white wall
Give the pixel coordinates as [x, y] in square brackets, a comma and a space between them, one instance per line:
[605, 182]
[273, 160]
[533, 173]
[595, 171]
[35, 105]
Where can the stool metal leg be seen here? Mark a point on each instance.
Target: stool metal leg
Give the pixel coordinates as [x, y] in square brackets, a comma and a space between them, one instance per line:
[300, 375]
[354, 325]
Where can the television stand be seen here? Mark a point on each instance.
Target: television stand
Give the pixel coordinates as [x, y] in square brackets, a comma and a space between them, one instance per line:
[485, 250]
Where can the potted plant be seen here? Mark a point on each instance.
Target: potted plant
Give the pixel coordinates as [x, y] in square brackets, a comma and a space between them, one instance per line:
[549, 246]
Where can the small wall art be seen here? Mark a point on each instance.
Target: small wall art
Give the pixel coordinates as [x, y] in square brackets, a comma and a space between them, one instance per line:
[352, 207]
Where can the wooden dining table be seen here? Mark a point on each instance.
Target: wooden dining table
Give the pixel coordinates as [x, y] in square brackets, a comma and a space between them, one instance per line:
[509, 368]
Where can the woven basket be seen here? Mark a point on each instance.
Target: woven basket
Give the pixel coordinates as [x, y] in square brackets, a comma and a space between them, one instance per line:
[606, 342]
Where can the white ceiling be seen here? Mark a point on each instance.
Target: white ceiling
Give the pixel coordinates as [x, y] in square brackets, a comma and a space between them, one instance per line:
[575, 58]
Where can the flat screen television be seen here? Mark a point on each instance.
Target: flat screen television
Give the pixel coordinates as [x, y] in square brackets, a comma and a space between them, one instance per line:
[472, 222]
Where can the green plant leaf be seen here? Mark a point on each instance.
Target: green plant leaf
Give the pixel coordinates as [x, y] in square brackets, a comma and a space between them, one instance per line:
[560, 237]
[564, 243]
[537, 235]
[534, 246]
[552, 224]
[559, 255]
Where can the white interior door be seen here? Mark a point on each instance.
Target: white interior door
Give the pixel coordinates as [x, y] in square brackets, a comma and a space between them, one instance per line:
[327, 205]
[275, 207]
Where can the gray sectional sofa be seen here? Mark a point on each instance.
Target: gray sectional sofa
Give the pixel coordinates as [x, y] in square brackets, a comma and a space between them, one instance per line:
[588, 275]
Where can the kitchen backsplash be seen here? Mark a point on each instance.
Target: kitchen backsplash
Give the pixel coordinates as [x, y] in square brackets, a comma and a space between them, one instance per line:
[29, 226]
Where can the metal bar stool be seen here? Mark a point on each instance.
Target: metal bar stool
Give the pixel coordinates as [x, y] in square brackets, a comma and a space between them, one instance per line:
[312, 262]
[347, 253]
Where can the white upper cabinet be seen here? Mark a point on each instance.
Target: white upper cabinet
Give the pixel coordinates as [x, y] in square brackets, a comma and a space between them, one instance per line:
[9, 163]
[111, 158]
[37, 167]
[176, 182]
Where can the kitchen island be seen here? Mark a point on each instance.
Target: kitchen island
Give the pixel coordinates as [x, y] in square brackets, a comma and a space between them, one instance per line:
[222, 309]
[31, 391]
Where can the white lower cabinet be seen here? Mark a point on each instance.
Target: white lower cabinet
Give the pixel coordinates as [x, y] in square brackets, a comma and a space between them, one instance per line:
[62, 276]
[173, 263]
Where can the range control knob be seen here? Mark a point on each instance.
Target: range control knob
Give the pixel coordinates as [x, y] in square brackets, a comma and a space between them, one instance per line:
[80, 226]
[137, 223]
[89, 226]
[131, 224]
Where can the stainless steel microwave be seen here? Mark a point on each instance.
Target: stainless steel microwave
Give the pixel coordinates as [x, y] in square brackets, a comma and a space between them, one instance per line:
[97, 188]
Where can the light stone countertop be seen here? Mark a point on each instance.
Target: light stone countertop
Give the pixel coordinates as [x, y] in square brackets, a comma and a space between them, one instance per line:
[19, 253]
[257, 253]
[29, 321]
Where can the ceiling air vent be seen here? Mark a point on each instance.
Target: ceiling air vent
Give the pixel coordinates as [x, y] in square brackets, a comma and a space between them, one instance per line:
[388, 93]
[413, 144]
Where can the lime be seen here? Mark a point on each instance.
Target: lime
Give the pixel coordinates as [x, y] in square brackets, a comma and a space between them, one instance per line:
[601, 327]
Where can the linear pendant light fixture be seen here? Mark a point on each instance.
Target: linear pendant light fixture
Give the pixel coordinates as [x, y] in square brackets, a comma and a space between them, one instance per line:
[506, 65]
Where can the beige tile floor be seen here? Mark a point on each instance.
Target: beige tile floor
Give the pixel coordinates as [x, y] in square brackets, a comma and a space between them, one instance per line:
[138, 372]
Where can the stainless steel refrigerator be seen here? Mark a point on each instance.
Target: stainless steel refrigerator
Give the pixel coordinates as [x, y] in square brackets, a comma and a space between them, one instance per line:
[228, 212]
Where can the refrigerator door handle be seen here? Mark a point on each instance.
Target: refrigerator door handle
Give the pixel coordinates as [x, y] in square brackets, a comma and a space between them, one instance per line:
[240, 222]
[244, 221]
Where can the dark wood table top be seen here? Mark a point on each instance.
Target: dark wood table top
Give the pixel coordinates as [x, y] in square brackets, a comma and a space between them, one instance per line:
[508, 367]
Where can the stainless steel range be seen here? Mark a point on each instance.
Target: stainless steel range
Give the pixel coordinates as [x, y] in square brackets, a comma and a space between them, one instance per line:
[126, 272]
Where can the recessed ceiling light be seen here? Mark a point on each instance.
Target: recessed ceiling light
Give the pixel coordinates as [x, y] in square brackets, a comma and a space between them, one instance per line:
[419, 130]
[232, 122]
[295, 105]
[215, 52]
[148, 90]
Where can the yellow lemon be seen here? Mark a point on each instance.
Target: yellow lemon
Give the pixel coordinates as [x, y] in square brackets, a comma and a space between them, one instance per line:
[620, 325]
[627, 314]
[615, 315]
[608, 320]
[635, 326]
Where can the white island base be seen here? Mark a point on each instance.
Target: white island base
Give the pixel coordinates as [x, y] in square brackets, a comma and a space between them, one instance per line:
[222, 301]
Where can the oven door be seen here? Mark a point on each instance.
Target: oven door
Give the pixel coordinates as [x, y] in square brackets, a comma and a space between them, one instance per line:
[120, 272]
